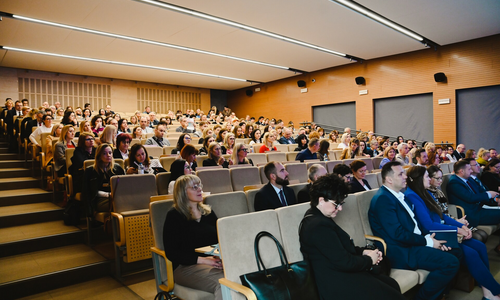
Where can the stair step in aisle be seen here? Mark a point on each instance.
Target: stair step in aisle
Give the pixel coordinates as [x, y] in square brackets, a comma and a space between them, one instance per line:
[18, 183]
[38, 253]
[49, 269]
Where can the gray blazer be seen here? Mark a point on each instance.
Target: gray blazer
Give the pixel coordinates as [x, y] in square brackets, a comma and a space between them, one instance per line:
[60, 155]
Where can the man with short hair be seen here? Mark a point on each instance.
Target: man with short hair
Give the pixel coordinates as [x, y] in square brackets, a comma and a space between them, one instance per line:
[45, 105]
[184, 126]
[347, 130]
[459, 153]
[9, 119]
[287, 137]
[409, 246]
[114, 122]
[260, 121]
[144, 125]
[310, 152]
[158, 139]
[152, 119]
[275, 193]
[147, 110]
[462, 191]
[421, 157]
[227, 111]
[25, 102]
[37, 122]
[402, 156]
[202, 126]
[108, 110]
[493, 153]
[410, 144]
[315, 171]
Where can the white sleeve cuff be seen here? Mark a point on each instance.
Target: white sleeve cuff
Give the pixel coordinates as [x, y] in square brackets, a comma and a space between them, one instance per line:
[430, 243]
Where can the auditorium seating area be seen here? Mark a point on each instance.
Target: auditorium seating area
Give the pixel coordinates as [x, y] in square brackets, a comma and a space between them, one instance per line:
[140, 203]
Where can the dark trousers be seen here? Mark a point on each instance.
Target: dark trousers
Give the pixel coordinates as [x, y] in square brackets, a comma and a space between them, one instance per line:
[442, 267]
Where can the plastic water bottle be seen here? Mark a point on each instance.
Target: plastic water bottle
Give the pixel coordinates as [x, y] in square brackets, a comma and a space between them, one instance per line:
[325, 157]
[140, 169]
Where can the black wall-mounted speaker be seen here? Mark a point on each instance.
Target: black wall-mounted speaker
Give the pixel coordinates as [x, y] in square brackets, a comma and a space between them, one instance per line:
[301, 83]
[440, 77]
[249, 93]
[360, 80]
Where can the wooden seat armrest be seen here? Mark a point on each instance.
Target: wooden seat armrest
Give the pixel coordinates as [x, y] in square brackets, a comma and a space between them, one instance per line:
[69, 185]
[170, 269]
[121, 229]
[376, 238]
[42, 160]
[247, 292]
[461, 209]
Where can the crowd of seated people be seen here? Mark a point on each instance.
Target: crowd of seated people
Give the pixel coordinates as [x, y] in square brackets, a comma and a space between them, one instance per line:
[218, 135]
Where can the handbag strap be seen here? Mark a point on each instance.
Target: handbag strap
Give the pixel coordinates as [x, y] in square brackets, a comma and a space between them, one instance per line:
[283, 258]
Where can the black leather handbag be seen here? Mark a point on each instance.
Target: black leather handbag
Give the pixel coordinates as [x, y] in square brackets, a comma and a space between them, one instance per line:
[285, 282]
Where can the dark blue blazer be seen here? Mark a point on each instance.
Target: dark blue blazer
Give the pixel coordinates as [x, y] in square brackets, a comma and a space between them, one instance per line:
[283, 140]
[459, 193]
[428, 219]
[390, 221]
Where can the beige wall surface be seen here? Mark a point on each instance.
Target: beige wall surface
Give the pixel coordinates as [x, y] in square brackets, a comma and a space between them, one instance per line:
[469, 64]
[76, 90]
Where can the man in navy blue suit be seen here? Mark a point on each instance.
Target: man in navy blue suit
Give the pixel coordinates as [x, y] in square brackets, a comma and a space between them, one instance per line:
[409, 246]
[287, 137]
[464, 191]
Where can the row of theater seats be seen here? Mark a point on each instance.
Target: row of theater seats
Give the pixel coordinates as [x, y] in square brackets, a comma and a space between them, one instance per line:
[132, 194]
[237, 228]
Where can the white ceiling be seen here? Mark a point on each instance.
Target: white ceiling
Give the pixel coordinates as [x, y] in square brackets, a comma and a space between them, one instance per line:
[319, 22]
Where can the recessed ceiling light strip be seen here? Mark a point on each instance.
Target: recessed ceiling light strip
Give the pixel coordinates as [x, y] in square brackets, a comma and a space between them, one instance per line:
[134, 39]
[242, 26]
[356, 7]
[121, 63]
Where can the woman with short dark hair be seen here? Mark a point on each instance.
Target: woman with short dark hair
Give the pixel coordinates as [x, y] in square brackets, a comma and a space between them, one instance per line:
[342, 270]
[122, 145]
[358, 182]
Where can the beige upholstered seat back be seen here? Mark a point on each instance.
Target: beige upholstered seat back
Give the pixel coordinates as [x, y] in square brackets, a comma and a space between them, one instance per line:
[228, 204]
[282, 148]
[363, 200]
[257, 158]
[241, 177]
[297, 187]
[236, 239]
[154, 151]
[446, 179]
[349, 220]
[166, 162]
[251, 199]
[330, 165]
[289, 220]
[276, 156]
[69, 154]
[376, 162]
[369, 164]
[157, 213]
[310, 163]
[215, 180]
[290, 156]
[132, 192]
[162, 182]
[297, 172]
[372, 180]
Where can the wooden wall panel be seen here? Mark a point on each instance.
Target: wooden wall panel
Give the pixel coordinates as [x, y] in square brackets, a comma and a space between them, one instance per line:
[474, 63]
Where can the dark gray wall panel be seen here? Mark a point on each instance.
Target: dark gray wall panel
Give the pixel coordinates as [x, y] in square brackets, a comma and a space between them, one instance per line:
[339, 115]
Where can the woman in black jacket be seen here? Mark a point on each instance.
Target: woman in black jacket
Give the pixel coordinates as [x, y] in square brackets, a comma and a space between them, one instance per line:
[342, 271]
[96, 185]
[190, 224]
[84, 151]
[358, 182]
